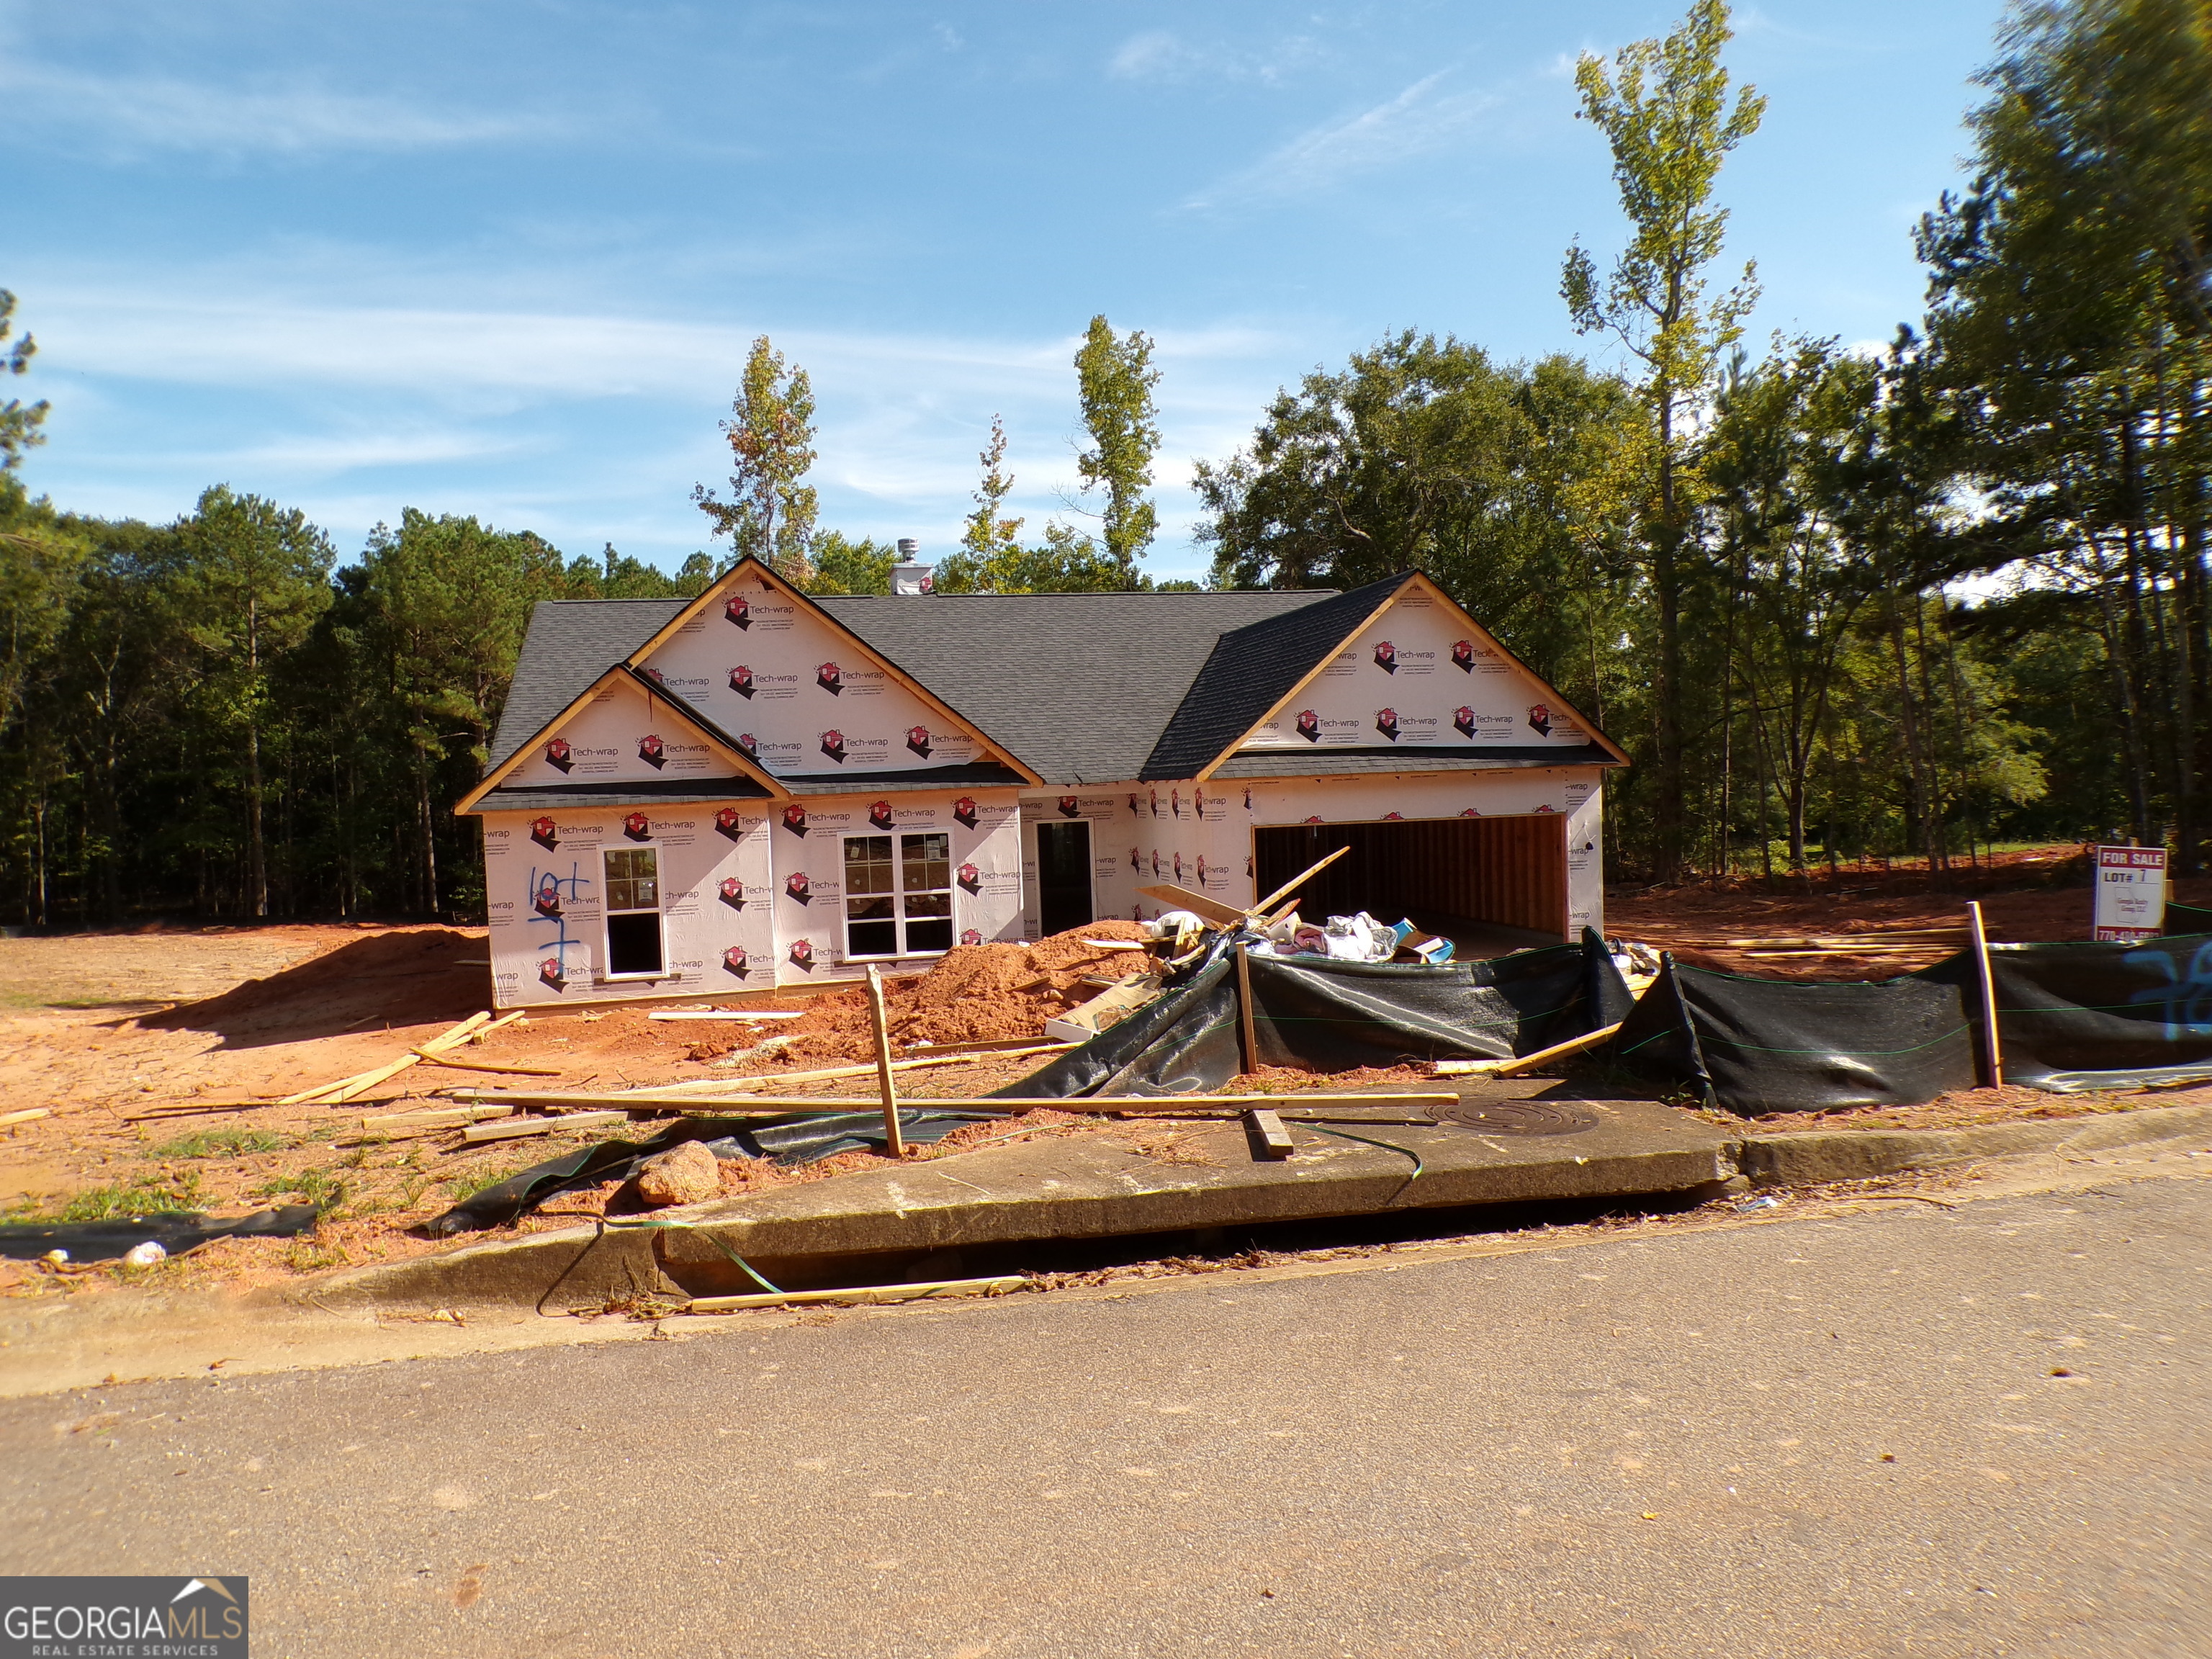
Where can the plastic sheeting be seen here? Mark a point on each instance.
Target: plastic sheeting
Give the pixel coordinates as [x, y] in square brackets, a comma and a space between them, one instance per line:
[175, 1232]
[1327, 1016]
[2071, 1017]
[790, 1141]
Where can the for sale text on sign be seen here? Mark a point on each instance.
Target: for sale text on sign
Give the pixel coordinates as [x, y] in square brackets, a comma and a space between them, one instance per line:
[2131, 893]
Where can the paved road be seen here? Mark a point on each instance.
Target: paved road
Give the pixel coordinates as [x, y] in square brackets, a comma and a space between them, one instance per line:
[1667, 1445]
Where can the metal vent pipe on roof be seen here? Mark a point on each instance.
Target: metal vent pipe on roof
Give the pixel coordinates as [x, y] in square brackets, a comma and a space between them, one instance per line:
[909, 577]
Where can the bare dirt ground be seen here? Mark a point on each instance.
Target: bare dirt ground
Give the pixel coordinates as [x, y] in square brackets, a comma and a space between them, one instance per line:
[104, 1029]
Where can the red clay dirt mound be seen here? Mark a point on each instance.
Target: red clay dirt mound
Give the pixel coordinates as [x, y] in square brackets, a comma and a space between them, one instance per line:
[408, 976]
[976, 994]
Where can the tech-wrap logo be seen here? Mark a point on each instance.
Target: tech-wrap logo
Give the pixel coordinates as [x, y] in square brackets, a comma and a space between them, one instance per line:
[559, 756]
[802, 954]
[1539, 719]
[879, 815]
[733, 892]
[831, 678]
[794, 818]
[129, 1616]
[745, 742]
[796, 885]
[1462, 655]
[971, 878]
[833, 744]
[1386, 656]
[971, 936]
[741, 681]
[546, 901]
[638, 827]
[728, 821]
[1070, 807]
[1386, 722]
[963, 812]
[1309, 725]
[736, 609]
[1463, 721]
[553, 973]
[735, 961]
[651, 750]
[917, 739]
[542, 832]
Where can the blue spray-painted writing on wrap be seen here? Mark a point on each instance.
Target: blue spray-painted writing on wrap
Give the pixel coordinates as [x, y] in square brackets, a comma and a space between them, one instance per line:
[550, 895]
[2188, 998]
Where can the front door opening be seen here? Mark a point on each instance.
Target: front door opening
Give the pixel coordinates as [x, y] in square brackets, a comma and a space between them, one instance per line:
[633, 912]
[1064, 876]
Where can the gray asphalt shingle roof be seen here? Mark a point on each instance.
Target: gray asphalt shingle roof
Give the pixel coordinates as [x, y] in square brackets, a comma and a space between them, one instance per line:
[1078, 685]
[1083, 688]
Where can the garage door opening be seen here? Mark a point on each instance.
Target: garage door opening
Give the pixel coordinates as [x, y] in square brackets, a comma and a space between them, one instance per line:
[1490, 885]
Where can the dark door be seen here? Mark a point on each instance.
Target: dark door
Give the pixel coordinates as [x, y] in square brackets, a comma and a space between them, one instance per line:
[1064, 876]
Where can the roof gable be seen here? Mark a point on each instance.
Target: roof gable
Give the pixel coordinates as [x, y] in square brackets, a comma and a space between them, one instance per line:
[623, 729]
[814, 700]
[1417, 675]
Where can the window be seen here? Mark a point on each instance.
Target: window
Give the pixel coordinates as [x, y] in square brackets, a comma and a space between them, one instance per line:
[898, 895]
[633, 912]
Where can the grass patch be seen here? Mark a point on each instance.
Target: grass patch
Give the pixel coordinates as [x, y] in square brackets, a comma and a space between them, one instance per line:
[223, 1143]
[171, 1190]
[317, 1186]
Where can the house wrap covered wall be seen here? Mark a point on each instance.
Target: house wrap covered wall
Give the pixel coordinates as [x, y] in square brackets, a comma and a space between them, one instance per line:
[756, 788]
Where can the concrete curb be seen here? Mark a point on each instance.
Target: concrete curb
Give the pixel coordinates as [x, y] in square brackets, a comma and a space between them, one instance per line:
[884, 1226]
[1815, 1156]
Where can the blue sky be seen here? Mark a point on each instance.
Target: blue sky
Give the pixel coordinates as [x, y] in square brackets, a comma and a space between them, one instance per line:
[506, 259]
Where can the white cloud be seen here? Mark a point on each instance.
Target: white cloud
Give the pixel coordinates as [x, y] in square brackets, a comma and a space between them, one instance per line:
[140, 112]
[1419, 121]
[1163, 55]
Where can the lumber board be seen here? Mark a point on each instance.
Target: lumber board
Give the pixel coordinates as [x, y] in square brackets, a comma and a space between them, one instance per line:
[1528, 1061]
[439, 1117]
[1296, 882]
[28, 1115]
[1109, 1007]
[485, 1064]
[1271, 1141]
[727, 1013]
[1205, 909]
[480, 1134]
[879, 1022]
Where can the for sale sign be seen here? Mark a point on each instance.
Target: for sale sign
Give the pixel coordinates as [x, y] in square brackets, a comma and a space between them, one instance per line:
[2131, 893]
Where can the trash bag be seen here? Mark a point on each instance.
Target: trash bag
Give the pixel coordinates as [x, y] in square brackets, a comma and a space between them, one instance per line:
[175, 1230]
[1187, 1042]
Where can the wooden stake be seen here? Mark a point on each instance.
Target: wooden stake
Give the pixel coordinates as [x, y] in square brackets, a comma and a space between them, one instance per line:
[1992, 1051]
[879, 1016]
[1296, 882]
[1244, 1011]
[485, 1065]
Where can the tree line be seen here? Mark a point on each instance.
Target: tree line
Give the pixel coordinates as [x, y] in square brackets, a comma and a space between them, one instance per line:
[1836, 604]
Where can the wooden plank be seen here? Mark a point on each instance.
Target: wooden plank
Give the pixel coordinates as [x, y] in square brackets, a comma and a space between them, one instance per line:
[28, 1115]
[727, 1013]
[485, 1065]
[478, 1134]
[1114, 944]
[441, 1117]
[1109, 1007]
[1526, 1062]
[1205, 909]
[1296, 882]
[879, 1018]
[1271, 1141]
[1992, 1049]
[346, 1087]
[915, 1293]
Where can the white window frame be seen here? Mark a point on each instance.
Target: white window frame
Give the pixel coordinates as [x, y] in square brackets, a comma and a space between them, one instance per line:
[608, 913]
[899, 894]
